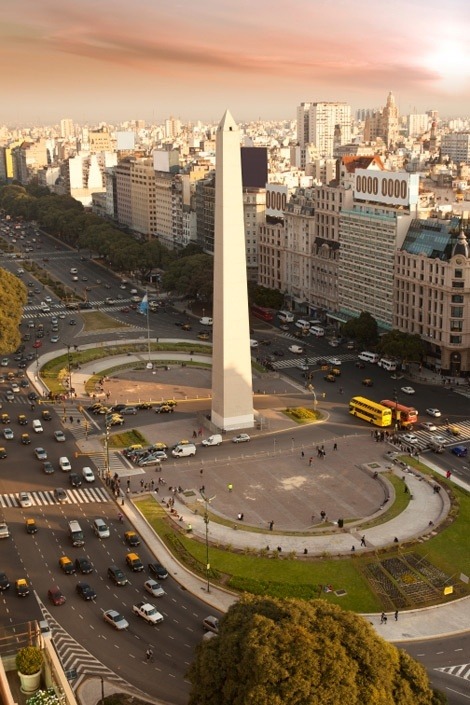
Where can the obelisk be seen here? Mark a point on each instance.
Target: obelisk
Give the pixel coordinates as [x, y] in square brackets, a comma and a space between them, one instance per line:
[232, 385]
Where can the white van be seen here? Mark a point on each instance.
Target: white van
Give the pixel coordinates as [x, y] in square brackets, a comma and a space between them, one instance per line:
[286, 316]
[303, 324]
[389, 365]
[37, 426]
[368, 357]
[205, 321]
[101, 529]
[182, 451]
[214, 440]
[73, 270]
[318, 331]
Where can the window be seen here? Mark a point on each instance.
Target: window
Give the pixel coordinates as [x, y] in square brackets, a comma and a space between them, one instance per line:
[456, 312]
[457, 299]
[456, 339]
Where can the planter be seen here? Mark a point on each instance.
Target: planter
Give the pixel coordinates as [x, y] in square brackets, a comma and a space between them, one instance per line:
[30, 683]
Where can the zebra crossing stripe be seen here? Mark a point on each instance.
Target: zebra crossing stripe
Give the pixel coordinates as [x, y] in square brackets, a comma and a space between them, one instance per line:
[460, 671]
[86, 495]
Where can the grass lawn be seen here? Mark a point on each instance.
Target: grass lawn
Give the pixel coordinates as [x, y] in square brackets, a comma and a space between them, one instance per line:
[123, 439]
[96, 320]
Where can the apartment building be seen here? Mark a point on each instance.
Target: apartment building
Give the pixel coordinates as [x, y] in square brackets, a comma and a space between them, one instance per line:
[432, 291]
[456, 146]
[324, 125]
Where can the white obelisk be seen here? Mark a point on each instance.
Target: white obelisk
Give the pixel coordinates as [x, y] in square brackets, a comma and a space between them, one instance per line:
[232, 384]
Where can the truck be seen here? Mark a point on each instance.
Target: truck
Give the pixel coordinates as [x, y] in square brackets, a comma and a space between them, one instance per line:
[184, 450]
[214, 440]
[148, 612]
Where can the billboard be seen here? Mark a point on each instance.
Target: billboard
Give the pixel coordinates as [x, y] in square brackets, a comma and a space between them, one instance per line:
[389, 188]
[276, 200]
[254, 167]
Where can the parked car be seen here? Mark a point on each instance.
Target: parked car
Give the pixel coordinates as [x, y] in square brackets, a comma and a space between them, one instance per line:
[241, 438]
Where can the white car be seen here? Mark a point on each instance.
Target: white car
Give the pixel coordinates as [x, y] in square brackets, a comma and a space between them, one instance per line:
[25, 499]
[433, 412]
[334, 361]
[297, 349]
[409, 438]
[88, 475]
[253, 343]
[241, 438]
[148, 612]
[440, 440]
[59, 436]
[154, 588]
[15, 388]
[64, 463]
[407, 390]
[429, 426]
[116, 619]
[211, 624]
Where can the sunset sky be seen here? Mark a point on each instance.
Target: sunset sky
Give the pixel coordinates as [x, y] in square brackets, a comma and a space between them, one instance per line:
[113, 60]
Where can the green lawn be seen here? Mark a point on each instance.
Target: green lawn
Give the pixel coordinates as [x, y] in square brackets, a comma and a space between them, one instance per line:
[96, 320]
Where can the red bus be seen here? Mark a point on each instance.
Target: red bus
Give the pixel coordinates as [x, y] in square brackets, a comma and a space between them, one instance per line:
[261, 312]
[404, 416]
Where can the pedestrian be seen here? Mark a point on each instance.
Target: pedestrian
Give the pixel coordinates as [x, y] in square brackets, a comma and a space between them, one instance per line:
[142, 484]
[149, 654]
[395, 540]
[194, 434]
[385, 619]
[353, 548]
[310, 462]
[382, 618]
[240, 516]
[335, 446]
[202, 488]
[199, 433]
[302, 454]
[128, 490]
[152, 484]
[78, 421]
[71, 419]
[405, 490]
[448, 474]
[279, 549]
[230, 487]
[323, 515]
[128, 482]
[396, 615]
[363, 540]
[201, 471]
[271, 524]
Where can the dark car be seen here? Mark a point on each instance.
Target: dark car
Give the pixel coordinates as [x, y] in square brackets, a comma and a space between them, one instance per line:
[48, 467]
[131, 538]
[117, 408]
[460, 451]
[32, 396]
[278, 353]
[83, 565]
[117, 576]
[158, 570]
[75, 479]
[55, 596]
[367, 382]
[4, 582]
[85, 591]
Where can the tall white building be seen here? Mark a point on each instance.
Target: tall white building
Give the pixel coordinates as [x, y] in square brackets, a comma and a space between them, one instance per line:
[324, 119]
[456, 146]
[66, 128]
[302, 124]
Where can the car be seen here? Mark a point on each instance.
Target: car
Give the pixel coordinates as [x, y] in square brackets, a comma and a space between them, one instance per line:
[211, 624]
[46, 415]
[25, 439]
[37, 344]
[128, 411]
[22, 587]
[9, 395]
[72, 322]
[64, 464]
[31, 526]
[66, 565]
[24, 383]
[115, 421]
[83, 565]
[5, 362]
[134, 562]
[4, 582]
[409, 438]
[60, 495]
[152, 587]
[5, 418]
[88, 474]
[334, 361]
[75, 479]
[116, 619]
[54, 338]
[303, 366]
[3, 454]
[56, 596]
[297, 349]
[367, 382]
[433, 412]
[32, 396]
[429, 426]
[22, 420]
[117, 576]
[85, 591]
[158, 570]
[453, 430]
[203, 336]
[148, 612]
[48, 468]
[48, 299]
[131, 538]
[62, 315]
[144, 405]
[40, 453]
[164, 409]
[360, 365]
[407, 390]
[25, 500]
[459, 451]
[241, 438]
[117, 408]
[59, 436]
[124, 309]
[15, 388]
[8, 434]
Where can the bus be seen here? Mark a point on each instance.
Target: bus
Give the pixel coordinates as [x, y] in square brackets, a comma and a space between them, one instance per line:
[404, 416]
[261, 312]
[370, 411]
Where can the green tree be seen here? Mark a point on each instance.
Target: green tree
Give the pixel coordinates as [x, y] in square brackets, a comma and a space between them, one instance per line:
[291, 652]
[270, 298]
[406, 346]
[191, 277]
[363, 329]
[13, 297]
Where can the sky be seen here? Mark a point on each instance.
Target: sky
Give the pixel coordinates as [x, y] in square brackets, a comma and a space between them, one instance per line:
[116, 60]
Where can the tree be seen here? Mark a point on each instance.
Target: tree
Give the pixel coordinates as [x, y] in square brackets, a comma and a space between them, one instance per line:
[406, 346]
[13, 296]
[191, 277]
[271, 298]
[291, 652]
[363, 329]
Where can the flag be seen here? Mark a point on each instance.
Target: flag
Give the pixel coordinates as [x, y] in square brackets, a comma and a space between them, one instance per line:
[144, 304]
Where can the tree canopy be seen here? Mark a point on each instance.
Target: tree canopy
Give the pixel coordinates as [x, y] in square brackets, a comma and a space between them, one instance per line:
[363, 329]
[402, 345]
[13, 297]
[291, 652]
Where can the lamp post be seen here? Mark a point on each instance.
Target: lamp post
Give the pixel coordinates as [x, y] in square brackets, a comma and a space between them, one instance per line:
[69, 370]
[395, 399]
[207, 500]
[106, 445]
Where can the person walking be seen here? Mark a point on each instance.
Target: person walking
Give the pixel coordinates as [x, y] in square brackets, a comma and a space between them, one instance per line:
[310, 462]
[149, 655]
[363, 540]
[335, 446]
[396, 615]
[271, 524]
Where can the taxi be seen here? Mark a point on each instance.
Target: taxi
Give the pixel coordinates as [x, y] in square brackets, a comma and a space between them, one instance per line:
[131, 538]
[25, 439]
[4, 418]
[31, 526]
[46, 415]
[66, 565]
[367, 382]
[335, 371]
[329, 378]
[22, 420]
[3, 453]
[22, 587]
[134, 562]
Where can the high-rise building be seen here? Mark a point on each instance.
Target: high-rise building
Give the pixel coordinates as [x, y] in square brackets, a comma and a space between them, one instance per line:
[232, 386]
[326, 119]
[67, 128]
[456, 146]
[303, 134]
[383, 124]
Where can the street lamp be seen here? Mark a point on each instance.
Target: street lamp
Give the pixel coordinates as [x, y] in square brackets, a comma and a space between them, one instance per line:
[106, 445]
[69, 370]
[207, 500]
[395, 399]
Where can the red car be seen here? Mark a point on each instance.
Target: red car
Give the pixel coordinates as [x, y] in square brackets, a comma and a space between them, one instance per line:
[55, 596]
[37, 344]
[125, 309]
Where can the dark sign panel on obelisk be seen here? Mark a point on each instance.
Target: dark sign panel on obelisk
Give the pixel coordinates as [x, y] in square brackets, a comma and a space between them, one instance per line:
[232, 386]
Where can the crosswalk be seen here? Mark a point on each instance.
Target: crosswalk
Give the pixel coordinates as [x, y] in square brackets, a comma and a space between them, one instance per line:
[300, 359]
[460, 671]
[424, 436]
[42, 498]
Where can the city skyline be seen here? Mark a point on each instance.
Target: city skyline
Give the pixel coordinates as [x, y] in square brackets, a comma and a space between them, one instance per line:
[120, 61]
